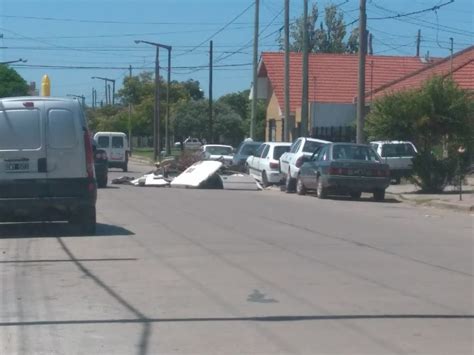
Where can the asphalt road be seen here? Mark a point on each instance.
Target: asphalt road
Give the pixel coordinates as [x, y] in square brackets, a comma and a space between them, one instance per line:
[176, 271]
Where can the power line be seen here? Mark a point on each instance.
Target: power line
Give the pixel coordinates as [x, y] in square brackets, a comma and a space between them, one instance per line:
[48, 66]
[434, 8]
[220, 29]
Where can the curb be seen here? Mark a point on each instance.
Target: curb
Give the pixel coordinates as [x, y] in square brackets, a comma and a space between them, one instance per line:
[434, 203]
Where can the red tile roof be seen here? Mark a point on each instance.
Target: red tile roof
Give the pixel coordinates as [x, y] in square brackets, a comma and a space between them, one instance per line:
[332, 77]
[463, 73]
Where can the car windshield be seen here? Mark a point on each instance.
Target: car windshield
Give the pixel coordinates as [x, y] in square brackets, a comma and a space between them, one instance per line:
[391, 150]
[218, 150]
[250, 148]
[354, 152]
[279, 150]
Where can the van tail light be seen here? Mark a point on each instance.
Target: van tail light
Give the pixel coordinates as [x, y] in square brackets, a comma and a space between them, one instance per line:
[299, 162]
[89, 155]
[274, 165]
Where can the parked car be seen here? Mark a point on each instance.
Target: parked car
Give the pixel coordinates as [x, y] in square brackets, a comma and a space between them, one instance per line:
[116, 146]
[398, 155]
[46, 162]
[291, 161]
[244, 150]
[344, 168]
[101, 165]
[223, 153]
[264, 165]
[190, 143]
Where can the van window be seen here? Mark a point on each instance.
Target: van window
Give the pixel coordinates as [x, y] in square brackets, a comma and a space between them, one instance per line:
[61, 130]
[397, 150]
[117, 142]
[103, 141]
[20, 129]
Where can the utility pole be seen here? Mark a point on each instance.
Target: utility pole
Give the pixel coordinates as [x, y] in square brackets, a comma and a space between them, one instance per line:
[371, 49]
[361, 81]
[113, 92]
[93, 98]
[106, 93]
[109, 97]
[304, 92]
[130, 114]
[156, 120]
[418, 43]
[167, 122]
[451, 39]
[211, 134]
[253, 117]
[286, 121]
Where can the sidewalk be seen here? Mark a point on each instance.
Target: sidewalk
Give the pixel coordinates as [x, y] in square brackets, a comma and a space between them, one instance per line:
[448, 199]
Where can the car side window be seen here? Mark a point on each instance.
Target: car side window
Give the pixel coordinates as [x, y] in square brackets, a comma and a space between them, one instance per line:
[265, 151]
[295, 146]
[323, 154]
[259, 151]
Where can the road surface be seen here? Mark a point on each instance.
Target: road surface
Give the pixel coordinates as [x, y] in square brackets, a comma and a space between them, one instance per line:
[177, 271]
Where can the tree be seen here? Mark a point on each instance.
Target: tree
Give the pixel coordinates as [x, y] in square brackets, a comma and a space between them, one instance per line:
[438, 118]
[329, 37]
[11, 83]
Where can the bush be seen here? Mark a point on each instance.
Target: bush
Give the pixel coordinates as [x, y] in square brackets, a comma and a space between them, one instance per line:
[432, 174]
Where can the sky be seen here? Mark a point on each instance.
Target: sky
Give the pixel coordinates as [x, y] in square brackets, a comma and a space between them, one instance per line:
[72, 41]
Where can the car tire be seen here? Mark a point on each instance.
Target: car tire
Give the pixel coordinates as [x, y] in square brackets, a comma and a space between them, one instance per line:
[321, 191]
[85, 219]
[247, 169]
[355, 195]
[300, 188]
[379, 195]
[290, 183]
[102, 183]
[265, 182]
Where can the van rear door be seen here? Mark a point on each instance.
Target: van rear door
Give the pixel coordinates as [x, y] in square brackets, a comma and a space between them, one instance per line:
[23, 163]
[118, 149]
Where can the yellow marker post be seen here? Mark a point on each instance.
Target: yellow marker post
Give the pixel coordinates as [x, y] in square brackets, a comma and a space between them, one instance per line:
[45, 86]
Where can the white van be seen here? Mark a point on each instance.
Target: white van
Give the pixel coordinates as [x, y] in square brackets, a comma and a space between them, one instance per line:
[116, 146]
[46, 162]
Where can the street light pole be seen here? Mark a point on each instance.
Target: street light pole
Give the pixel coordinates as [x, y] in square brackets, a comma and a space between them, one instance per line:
[108, 100]
[156, 123]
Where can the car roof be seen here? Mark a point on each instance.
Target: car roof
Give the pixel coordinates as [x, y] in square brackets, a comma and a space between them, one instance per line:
[390, 142]
[315, 140]
[37, 98]
[216, 145]
[349, 144]
[110, 133]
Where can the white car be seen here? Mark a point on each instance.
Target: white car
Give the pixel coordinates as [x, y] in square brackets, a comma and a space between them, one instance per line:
[190, 143]
[291, 161]
[264, 166]
[398, 155]
[223, 153]
[116, 146]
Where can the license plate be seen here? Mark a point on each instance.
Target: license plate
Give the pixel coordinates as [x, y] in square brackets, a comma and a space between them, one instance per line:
[17, 167]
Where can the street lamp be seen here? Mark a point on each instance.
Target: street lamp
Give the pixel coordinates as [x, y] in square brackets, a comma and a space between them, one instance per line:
[106, 80]
[156, 121]
[82, 97]
[15, 61]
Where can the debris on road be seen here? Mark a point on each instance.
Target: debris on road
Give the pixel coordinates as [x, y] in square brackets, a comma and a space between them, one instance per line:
[123, 180]
[197, 174]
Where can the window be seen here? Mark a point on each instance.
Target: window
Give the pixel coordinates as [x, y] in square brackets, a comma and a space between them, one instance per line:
[103, 142]
[219, 150]
[117, 142]
[397, 150]
[20, 129]
[311, 146]
[323, 154]
[61, 130]
[279, 150]
[259, 151]
[353, 152]
[265, 151]
[250, 148]
[295, 146]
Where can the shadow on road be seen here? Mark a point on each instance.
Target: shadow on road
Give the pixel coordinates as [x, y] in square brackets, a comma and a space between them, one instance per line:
[56, 229]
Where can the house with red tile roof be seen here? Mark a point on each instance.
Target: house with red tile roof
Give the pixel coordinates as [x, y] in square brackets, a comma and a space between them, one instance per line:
[460, 67]
[332, 90]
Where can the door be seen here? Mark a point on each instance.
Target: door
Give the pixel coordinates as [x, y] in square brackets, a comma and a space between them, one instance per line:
[117, 149]
[23, 169]
[103, 142]
[254, 167]
[264, 160]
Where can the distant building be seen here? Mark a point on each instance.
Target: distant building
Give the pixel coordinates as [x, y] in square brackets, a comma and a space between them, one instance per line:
[332, 90]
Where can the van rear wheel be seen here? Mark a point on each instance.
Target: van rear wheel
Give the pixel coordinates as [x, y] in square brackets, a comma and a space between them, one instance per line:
[85, 220]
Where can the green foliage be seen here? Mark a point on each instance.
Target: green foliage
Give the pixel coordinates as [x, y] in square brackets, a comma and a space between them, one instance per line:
[329, 37]
[11, 83]
[438, 118]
